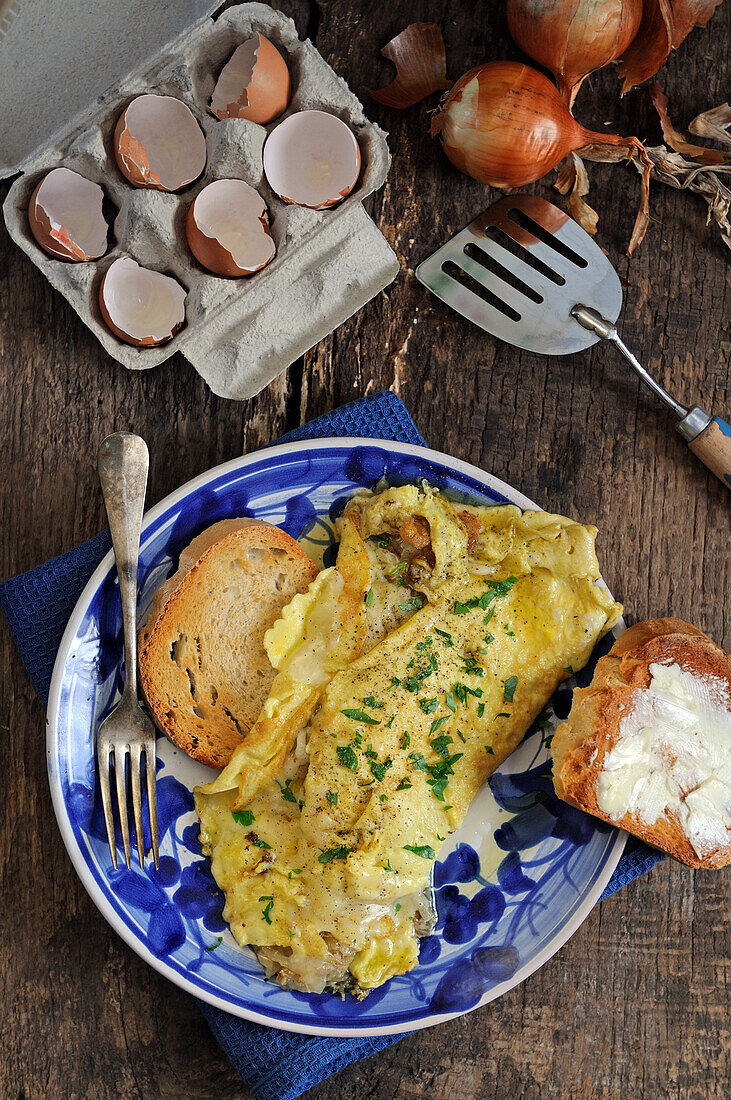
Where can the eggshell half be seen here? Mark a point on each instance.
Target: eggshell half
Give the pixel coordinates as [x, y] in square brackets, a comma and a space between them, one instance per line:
[159, 144]
[253, 84]
[65, 216]
[227, 227]
[312, 159]
[140, 306]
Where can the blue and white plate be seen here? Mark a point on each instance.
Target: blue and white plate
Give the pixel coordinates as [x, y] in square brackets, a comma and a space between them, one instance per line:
[512, 884]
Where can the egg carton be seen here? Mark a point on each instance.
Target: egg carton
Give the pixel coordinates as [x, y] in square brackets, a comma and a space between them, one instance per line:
[239, 333]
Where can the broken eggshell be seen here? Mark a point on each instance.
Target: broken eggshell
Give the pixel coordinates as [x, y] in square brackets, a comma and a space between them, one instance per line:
[140, 306]
[159, 144]
[227, 227]
[65, 216]
[312, 159]
[254, 83]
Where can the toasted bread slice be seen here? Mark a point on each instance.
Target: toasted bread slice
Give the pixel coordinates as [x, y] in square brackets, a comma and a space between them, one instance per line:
[602, 716]
[203, 668]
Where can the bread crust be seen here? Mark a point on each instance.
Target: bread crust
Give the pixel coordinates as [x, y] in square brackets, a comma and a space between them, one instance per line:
[204, 673]
[582, 743]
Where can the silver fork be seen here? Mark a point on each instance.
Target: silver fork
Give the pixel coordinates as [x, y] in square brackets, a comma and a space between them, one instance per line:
[123, 464]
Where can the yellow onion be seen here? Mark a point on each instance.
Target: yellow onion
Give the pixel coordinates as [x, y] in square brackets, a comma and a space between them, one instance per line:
[506, 125]
[572, 38]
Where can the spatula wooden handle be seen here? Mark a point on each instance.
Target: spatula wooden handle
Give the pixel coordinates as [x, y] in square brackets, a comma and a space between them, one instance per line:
[713, 448]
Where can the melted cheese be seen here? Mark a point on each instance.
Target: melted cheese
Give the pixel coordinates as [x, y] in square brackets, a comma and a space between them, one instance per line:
[673, 756]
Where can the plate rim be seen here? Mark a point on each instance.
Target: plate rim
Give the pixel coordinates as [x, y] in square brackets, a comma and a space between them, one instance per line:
[76, 855]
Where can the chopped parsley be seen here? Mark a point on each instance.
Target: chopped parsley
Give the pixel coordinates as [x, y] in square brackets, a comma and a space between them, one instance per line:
[503, 714]
[389, 723]
[394, 683]
[450, 702]
[259, 843]
[398, 907]
[480, 709]
[418, 762]
[462, 691]
[429, 705]
[382, 541]
[334, 853]
[384, 798]
[404, 784]
[405, 740]
[489, 615]
[509, 688]
[569, 670]
[268, 907]
[243, 817]
[332, 797]
[379, 770]
[543, 721]
[471, 666]
[368, 598]
[489, 638]
[213, 946]
[461, 735]
[399, 572]
[414, 604]
[369, 701]
[387, 866]
[489, 750]
[361, 716]
[423, 850]
[347, 757]
[495, 591]
[287, 793]
[438, 723]
[445, 636]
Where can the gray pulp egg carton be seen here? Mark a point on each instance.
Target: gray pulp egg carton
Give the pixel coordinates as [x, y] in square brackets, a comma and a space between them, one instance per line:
[239, 333]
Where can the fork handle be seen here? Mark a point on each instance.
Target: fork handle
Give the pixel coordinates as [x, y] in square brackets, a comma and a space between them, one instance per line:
[123, 463]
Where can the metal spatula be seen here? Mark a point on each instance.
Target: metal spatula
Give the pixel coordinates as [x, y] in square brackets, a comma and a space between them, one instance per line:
[527, 273]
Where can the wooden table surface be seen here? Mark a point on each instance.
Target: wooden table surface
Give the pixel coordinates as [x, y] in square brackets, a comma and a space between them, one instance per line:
[635, 1004]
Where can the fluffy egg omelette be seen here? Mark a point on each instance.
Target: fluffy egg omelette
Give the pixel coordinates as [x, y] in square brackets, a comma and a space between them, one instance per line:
[405, 675]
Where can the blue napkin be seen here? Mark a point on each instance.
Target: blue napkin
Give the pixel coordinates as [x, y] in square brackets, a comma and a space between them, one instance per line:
[277, 1065]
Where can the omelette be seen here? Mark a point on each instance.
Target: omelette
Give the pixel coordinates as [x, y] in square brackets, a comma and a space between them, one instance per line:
[404, 676]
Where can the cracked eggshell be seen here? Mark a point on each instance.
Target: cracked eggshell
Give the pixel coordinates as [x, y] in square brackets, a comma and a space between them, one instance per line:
[254, 83]
[159, 144]
[140, 306]
[227, 227]
[312, 159]
[65, 216]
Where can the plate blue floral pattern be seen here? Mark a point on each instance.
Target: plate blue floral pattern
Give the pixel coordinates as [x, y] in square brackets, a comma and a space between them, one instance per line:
[511, 884]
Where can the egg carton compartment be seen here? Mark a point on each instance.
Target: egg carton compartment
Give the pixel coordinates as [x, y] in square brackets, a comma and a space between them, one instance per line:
[239, 333]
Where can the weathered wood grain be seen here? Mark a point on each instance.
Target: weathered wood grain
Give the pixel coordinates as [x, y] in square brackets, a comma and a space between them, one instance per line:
[636, 1003]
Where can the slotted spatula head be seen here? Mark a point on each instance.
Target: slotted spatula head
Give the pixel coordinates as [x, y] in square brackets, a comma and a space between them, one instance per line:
[518, 270]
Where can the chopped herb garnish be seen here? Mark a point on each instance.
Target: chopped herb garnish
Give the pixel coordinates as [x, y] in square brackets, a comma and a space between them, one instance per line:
[390, 722]
[384, 798]
[399, 572]
[480, 709]
[213, 946]
[438, 723]
[445, 636]
[368, 598]
[441, 745]
[334, 853]
[543, 721]
[387, 866]
[413, 605]
[489, 638]
[379, 770]
[404, 784]
[462, 691]
[509, 688]
[369, 701]
[569, 670]
[488, 749]
[496, 589]
[510, 633]
[347, 757]
[423, 850]
[287, 794]
[429, 705]
[450, 702]
[360, 716]
[259, 843]
[398, 907]
[489, 615]
[332, 797]
[243, 817]
[268, 907]
[394, 683]
[502, 714]
[382, 541]
[461, 735]
[442, 838]
[418, 762]
[405, 740]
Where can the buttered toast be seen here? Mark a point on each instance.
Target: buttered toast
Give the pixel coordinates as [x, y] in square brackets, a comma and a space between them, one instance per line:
[647, 745]
[203, 668]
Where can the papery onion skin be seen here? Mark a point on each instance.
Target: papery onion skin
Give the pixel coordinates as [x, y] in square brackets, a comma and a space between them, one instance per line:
[506, 125]
[572, 38]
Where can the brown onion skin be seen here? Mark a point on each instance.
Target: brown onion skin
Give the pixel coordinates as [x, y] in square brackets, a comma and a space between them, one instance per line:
[572, 38]
[524, 128]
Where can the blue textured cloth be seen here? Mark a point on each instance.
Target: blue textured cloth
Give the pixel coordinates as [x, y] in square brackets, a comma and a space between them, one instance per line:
[277, 1065]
